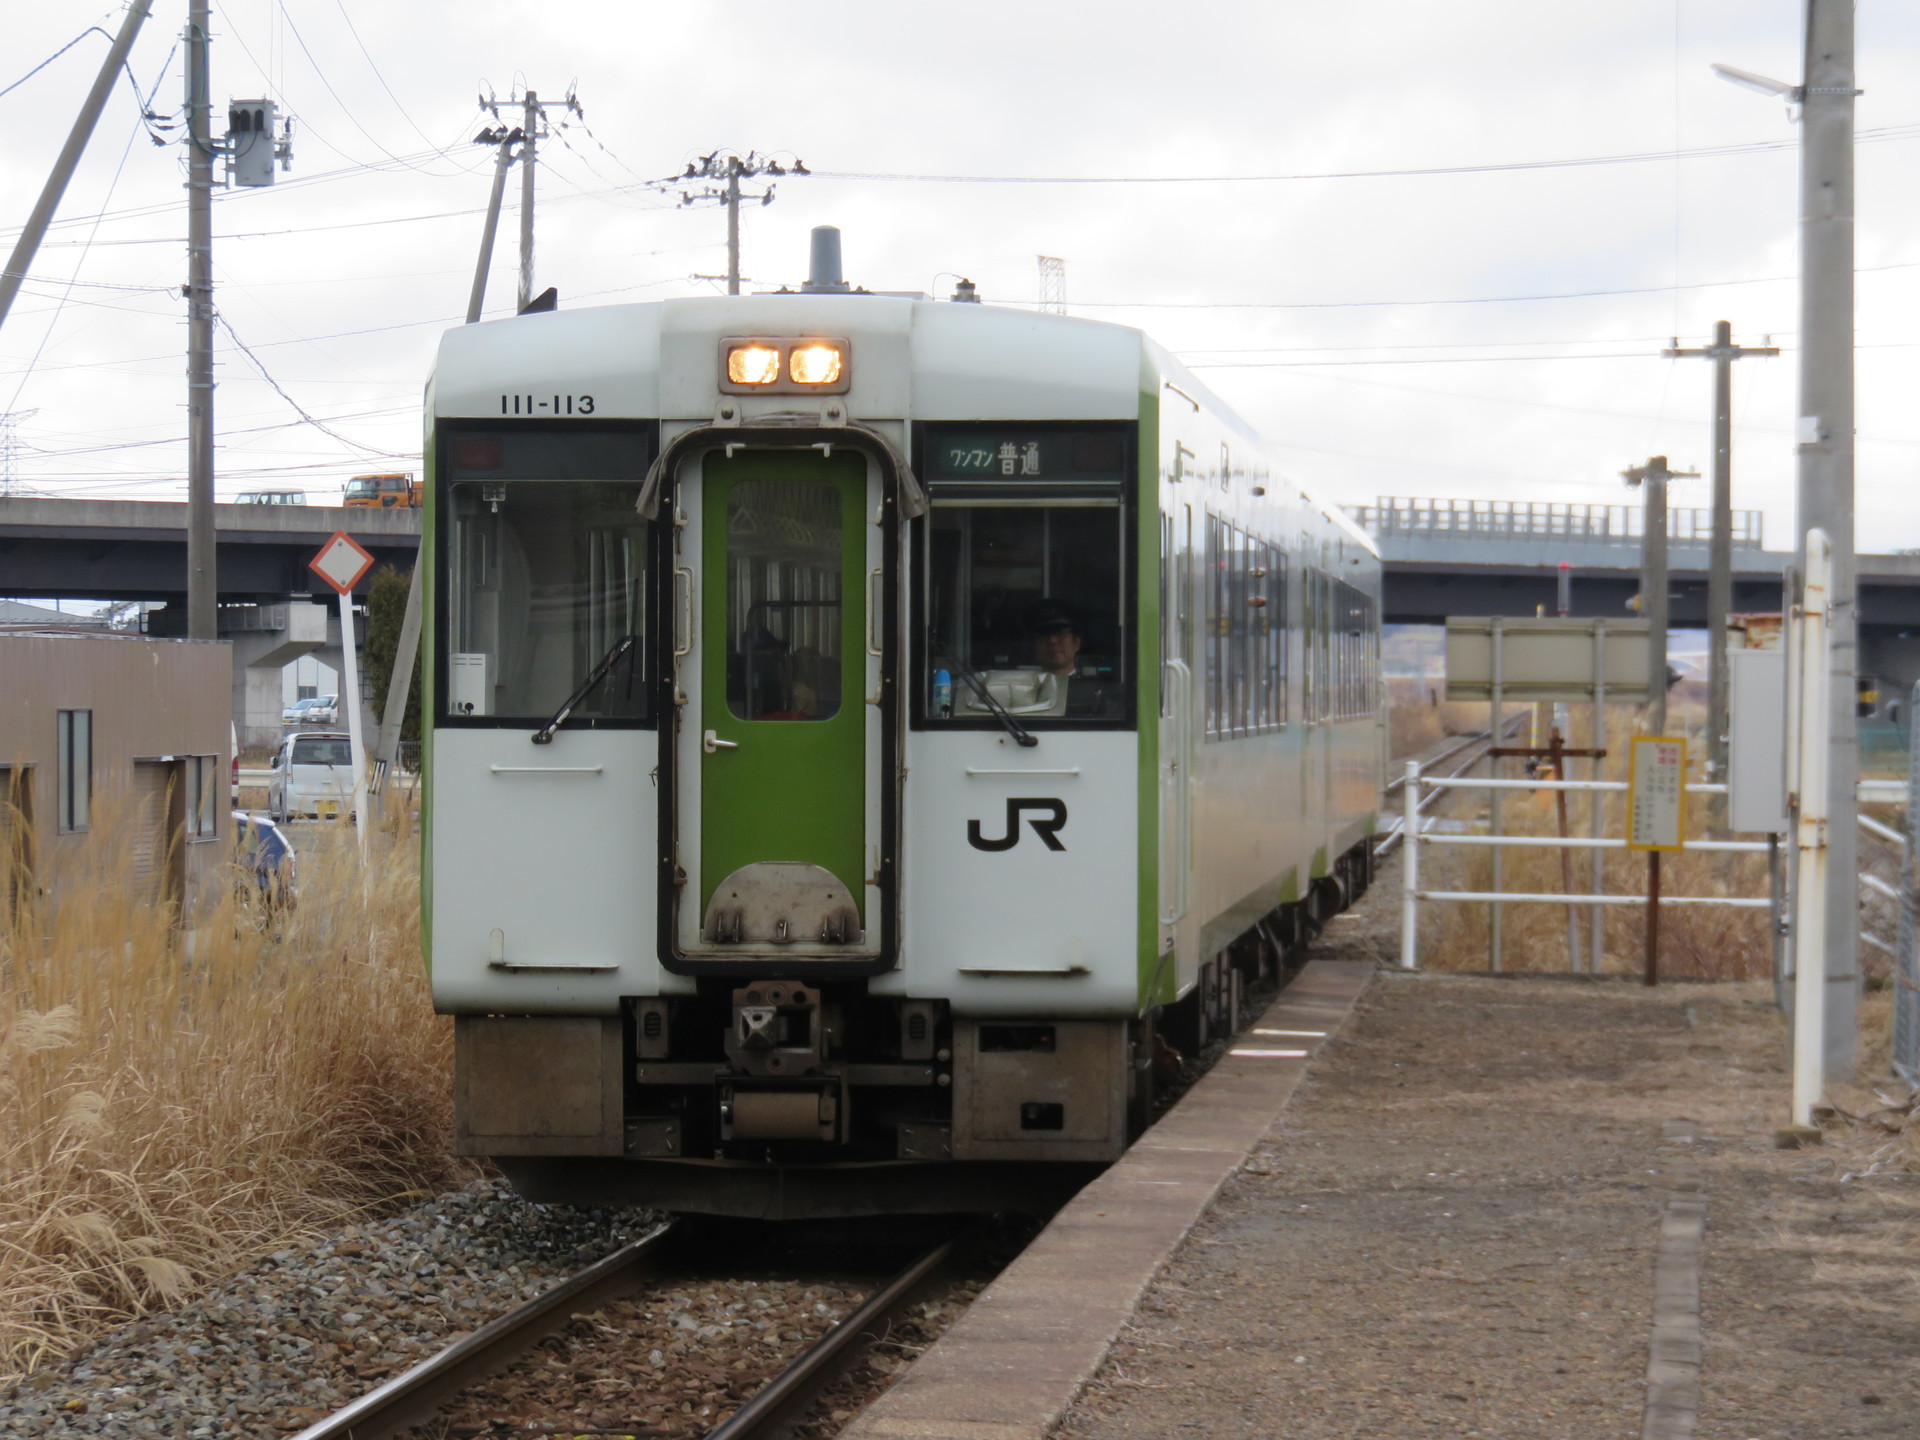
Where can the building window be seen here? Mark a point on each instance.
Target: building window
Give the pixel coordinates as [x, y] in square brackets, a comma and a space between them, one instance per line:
[203, 797]
[75, 770]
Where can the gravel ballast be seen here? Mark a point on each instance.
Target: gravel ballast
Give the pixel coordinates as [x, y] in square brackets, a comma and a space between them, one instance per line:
[307, 1329]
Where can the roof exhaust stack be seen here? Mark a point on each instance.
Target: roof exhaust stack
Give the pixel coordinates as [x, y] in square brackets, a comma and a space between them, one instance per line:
[823, 269]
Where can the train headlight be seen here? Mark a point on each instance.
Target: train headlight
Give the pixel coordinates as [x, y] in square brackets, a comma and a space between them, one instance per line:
[814, 364]
[753, 364]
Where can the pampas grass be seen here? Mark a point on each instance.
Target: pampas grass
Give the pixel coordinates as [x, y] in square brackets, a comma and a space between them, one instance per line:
[175, 1104]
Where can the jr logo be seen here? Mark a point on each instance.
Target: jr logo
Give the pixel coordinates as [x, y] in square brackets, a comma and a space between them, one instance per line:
[1048, 829]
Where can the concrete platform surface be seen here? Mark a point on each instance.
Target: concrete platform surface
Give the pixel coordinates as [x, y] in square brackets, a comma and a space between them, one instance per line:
[1536, 1209]
[1012, 1365]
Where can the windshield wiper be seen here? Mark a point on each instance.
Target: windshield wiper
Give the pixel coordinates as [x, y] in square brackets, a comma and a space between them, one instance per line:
[1021, 736]
[544, 735]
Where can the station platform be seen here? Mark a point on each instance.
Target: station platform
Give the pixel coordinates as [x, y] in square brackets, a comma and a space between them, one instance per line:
[1525, 1208]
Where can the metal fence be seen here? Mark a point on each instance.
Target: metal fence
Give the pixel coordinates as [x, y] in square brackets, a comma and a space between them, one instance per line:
[1525, 520]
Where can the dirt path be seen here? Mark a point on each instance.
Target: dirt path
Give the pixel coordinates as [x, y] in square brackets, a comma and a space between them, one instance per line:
[1452, 1232]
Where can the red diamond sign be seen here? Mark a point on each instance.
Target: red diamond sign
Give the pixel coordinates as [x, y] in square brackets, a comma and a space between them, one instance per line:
[341, 562]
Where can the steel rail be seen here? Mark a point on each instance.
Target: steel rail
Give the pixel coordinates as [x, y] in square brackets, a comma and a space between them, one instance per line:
[775, 1405]
[1484, 738]
[1479, 737]
[413, 1396]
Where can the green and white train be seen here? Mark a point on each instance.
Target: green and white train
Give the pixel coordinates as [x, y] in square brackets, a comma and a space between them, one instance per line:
[859, 725]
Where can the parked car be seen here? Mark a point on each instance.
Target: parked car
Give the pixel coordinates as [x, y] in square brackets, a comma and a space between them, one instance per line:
[264, 862]
[311, 776]
[297, 711]
[322, 710]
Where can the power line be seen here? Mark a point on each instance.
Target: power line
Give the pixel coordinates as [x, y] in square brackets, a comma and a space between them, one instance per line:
[1702, 152]
[90, 30]
[298, 408]
[354, 31]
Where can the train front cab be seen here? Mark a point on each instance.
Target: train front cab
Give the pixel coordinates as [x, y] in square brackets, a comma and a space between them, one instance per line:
[798, 1049]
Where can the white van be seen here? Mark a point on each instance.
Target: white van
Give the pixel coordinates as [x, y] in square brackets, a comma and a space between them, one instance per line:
[312, 775]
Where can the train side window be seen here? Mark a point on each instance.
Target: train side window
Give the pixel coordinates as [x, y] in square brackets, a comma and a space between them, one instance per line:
[545, 574]
[1026, 601]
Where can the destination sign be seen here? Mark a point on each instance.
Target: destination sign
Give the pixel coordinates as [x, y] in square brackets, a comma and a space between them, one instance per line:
[1010, 454]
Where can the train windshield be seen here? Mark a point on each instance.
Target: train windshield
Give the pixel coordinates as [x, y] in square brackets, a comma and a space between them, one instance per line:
[1026, 578]
[545, 573]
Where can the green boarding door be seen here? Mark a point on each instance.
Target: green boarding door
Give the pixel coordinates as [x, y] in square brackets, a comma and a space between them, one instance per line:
[779, 752]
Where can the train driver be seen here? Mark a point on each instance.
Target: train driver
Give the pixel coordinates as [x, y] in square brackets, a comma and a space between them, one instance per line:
[1055, 632]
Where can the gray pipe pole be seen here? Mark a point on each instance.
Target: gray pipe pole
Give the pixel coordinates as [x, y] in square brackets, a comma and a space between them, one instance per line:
[527, 159]
[478, 297]
[28, 244]
[1825, 454]
[202, 581]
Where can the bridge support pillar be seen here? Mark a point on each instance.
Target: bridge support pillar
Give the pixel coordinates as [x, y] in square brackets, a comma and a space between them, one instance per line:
[266, 639]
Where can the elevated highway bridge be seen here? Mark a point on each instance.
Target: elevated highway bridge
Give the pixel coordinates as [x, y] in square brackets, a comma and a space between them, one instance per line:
[1496, 557]
[137, 549]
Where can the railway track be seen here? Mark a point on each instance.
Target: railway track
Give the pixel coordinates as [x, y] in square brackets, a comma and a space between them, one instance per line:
[1479, 743]
[413, 1398]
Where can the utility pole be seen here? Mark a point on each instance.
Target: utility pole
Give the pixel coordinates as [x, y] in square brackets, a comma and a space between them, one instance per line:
[726, 170]
[1825, 96]
[529, 157]
[503, 161]
[28, 244]
[533, 112]
[202, 583]
[1825, 455]
[1723, 352]
[1654, 476]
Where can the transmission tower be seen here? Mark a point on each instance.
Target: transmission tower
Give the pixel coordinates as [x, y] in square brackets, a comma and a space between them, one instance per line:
[10, 446]
[1053, 285]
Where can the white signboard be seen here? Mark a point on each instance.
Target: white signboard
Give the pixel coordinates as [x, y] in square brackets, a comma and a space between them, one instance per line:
[341, 562]
[1656, 793]
[1550, 659]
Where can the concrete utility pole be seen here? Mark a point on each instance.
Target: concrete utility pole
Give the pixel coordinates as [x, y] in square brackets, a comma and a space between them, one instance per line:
[1654, 476]
[533, 111]
[1826, 469]
[727, 169]
[202, 582]
[503, 161]
[529, 157]
[28, 245]
[1723, 352]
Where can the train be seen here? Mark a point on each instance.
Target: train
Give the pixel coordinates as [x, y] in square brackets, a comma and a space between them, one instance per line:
[864, 732]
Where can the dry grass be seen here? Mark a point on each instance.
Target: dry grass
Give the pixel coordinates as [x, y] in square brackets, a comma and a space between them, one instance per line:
[1697, 942]
[171, 1108]
[1418, 719]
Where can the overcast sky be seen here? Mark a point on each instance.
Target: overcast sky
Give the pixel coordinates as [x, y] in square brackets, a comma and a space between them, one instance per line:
[1492, 334]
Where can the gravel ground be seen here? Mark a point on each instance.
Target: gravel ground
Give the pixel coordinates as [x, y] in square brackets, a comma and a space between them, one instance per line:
[675, 1362]
[1451, 1233]
[306, 1330]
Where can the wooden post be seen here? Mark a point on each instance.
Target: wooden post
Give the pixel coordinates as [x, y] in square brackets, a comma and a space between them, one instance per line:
[1653, 917]
[1557, 758]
